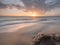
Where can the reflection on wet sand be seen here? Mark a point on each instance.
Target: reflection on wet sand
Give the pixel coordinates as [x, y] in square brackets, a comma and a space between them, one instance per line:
[14, 39]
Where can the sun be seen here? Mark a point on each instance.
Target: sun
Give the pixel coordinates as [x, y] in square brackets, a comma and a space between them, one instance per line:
[34, 15]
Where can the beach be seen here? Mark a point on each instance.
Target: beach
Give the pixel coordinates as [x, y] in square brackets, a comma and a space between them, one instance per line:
[19, 32]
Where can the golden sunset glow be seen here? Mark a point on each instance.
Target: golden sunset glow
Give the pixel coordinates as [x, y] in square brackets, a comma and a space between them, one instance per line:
[15, 12]
[33, 14]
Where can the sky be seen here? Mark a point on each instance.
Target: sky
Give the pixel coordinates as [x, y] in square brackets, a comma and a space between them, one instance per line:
[28, 7]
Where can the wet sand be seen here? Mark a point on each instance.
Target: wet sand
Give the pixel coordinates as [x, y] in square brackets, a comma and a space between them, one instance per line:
[23, 36]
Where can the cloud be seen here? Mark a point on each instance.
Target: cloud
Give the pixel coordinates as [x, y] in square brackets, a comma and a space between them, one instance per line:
[34, 4]
[53, 7]
[40, 5]
[52, 3]
[52, 12]
[11, 3]
[28, 4]
[3, 5]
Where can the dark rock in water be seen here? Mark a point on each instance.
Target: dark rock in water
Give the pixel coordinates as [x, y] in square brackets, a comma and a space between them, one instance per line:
[46, 40]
